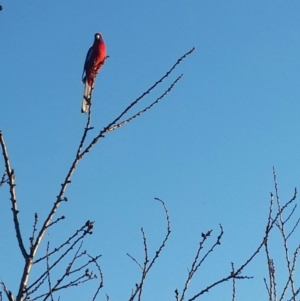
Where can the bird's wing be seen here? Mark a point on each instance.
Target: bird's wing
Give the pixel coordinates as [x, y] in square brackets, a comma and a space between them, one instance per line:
[87, 59]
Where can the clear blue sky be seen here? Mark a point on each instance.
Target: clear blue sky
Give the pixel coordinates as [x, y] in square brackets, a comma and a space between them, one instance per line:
[207, 149]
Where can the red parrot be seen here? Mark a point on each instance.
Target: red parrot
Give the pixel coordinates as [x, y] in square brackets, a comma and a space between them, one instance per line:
[94, 60]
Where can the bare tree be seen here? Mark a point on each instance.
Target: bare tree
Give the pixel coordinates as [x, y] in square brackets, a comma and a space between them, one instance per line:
[76, 266]
[77, 270]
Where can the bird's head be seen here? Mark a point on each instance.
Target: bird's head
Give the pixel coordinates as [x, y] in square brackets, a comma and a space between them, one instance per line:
[98, 37]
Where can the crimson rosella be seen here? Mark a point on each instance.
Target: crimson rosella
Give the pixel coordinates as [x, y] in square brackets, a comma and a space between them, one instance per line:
[93, 62]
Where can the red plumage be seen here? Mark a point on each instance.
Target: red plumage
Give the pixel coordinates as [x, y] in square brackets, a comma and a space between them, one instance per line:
[94, 60]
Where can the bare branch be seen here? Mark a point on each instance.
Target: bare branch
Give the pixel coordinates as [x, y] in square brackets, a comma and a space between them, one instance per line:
[281, 226]
[163, 244]
[293, 230]
[60, 198]
[152, 87]
[4, 179]
[101, 284]
[233, 283]
[48, 273]
[64, 186]
[86, 275]
[291, 214]
[56, 221]
[271, 289]
[84, 230]
[31, 239]
[148, 264]
[11, 182]
[196, 262]
[116, 120]
[114, 127]
[38, 234]
[135, 261]
[270, 224]
[8, 293]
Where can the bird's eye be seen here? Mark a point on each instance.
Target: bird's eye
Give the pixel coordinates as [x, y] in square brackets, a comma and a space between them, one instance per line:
[97, 36]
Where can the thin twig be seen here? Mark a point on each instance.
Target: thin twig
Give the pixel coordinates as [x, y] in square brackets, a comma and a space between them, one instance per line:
[85, 229]
[281, 226]
[233, 283]
[48, 273]
[116, 120]
[135, 260]
[118, 125]
[4, 179]
[8, 293]
[148, 264]
[31, 239]
[294, 228]
[101, 283]
[197, 262]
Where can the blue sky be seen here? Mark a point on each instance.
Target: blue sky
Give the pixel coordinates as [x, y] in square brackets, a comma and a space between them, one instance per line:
[207, 149]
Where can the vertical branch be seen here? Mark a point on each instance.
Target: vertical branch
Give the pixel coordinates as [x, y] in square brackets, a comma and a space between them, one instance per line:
[271, 288]
[148, 264]
[163, 244]
[145, 265]
[281, 223]
[233, 283]
[197, 261]
[101, 284]
[31, 239]
[13, 197]
[48, 273]
[281, 227]
[60, 198]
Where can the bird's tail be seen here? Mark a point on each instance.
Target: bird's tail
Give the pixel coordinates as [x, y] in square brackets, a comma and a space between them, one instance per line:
[87, 98]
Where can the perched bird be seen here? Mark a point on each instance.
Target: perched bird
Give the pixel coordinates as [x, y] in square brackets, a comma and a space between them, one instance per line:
[94, 60]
